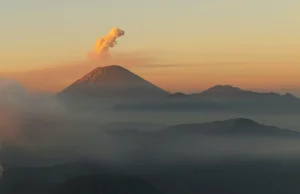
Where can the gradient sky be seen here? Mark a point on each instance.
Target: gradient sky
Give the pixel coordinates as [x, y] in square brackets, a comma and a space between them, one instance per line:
[247, 43]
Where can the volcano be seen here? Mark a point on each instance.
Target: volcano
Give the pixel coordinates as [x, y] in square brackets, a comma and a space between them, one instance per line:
[112, 82]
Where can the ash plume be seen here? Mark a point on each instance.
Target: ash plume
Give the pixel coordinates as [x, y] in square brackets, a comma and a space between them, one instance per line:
[102, 45]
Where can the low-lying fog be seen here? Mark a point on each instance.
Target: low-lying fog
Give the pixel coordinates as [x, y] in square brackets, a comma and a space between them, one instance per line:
[36, 129]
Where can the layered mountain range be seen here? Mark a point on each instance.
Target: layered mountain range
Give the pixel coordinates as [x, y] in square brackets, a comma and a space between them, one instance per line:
[167, 161]
[128, 91]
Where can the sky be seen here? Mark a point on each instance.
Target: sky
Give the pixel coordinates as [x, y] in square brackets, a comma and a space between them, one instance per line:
[198, 43]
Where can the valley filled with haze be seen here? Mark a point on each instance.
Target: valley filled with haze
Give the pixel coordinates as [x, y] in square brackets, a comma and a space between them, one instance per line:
[112, 131]
[184, 98]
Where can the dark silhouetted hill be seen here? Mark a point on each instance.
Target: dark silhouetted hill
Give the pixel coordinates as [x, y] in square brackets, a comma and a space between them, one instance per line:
[185, 158]
[228, 92]
[106, 184]
[238, 126]
[75, 178]
[221, 98]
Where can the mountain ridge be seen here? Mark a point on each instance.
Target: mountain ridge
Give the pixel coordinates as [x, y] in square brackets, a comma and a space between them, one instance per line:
[231, 91]
[124, 90]
[113, 74]
[235, 126]
[112, 81]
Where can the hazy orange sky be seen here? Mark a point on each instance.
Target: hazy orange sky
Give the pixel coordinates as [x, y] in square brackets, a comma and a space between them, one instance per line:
[186, 46]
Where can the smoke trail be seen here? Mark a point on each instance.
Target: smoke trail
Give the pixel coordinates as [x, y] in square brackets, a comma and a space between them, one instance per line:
[102, 45]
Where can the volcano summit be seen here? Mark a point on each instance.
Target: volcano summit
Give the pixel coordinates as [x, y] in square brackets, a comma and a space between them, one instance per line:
[113, 82]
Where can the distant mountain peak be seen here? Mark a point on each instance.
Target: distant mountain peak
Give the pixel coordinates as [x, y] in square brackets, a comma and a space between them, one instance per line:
[289, 95]
[225, 88]
[236, 126]
[178, 95]
[238, 122]
[223, 91]
[111, 74]
[242, 122]
[112, 81]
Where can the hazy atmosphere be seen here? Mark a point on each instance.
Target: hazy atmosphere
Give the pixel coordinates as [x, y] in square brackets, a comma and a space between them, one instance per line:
[136, 97]
[249, 44]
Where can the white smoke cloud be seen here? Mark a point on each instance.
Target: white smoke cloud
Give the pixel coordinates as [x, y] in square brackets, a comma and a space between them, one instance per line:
[102, 45]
